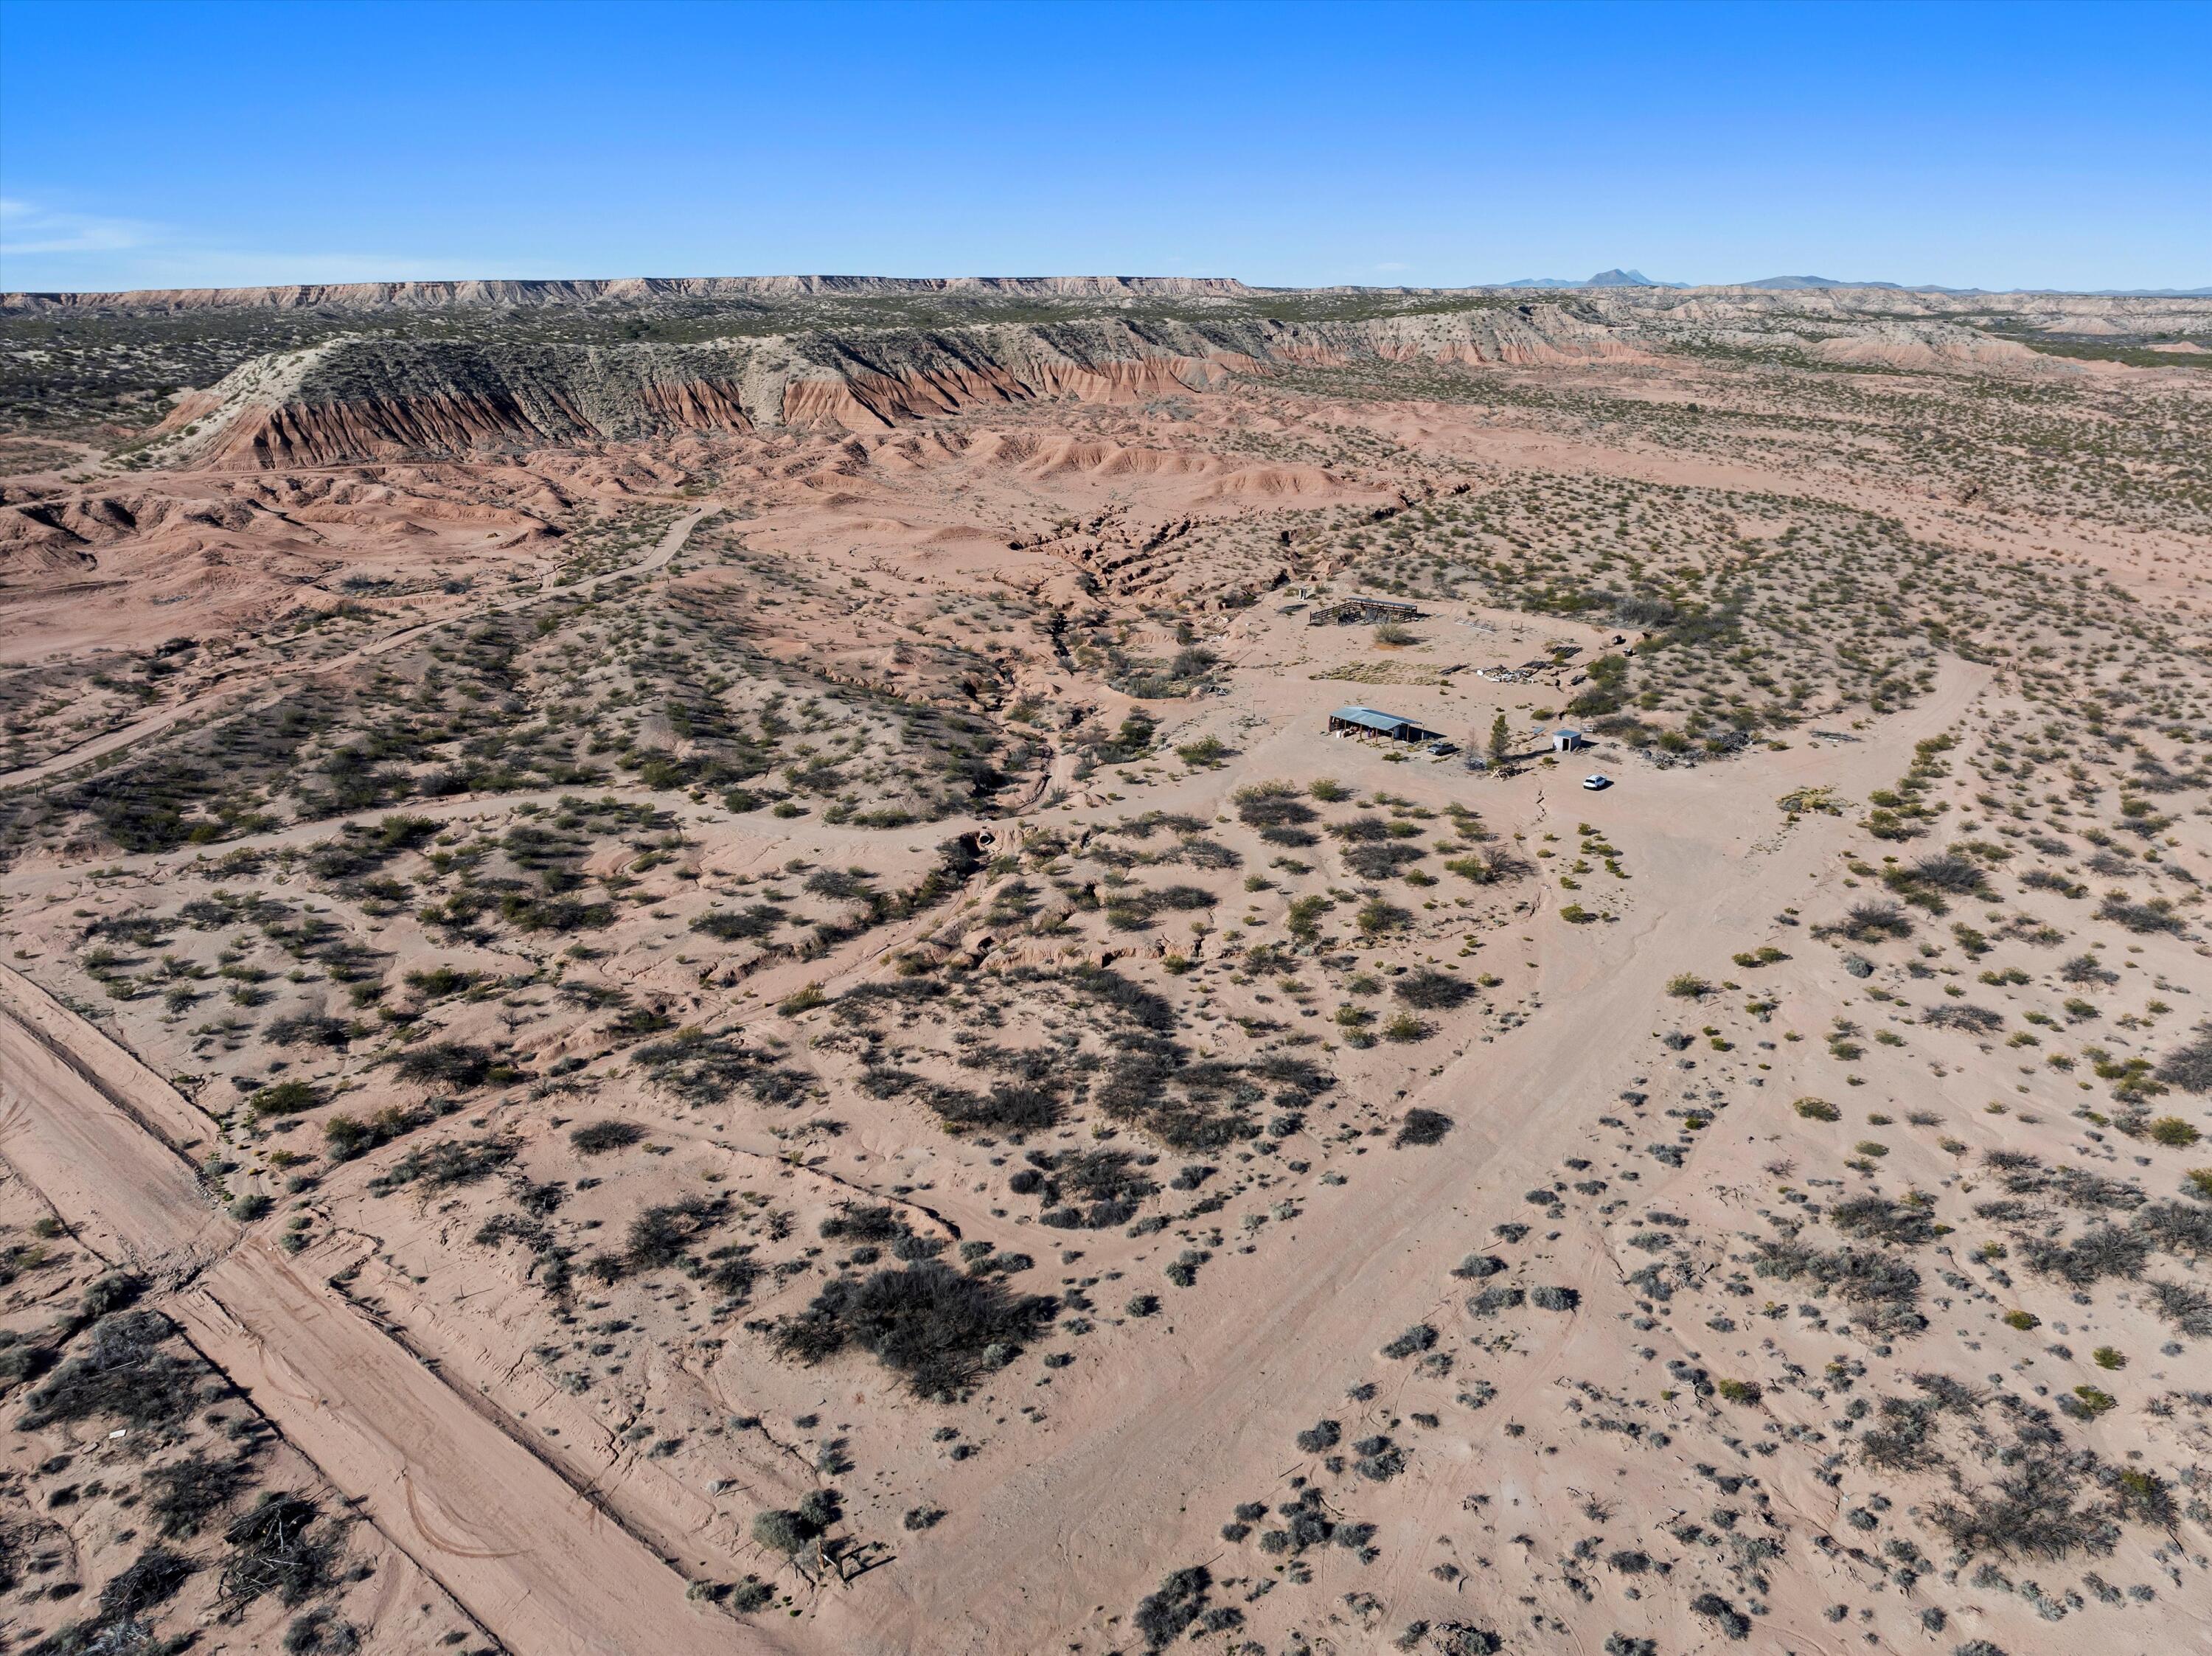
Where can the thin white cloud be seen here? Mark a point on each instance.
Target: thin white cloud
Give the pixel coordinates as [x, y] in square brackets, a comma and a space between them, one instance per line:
[27, 229]
[43, 248]
[224, 267]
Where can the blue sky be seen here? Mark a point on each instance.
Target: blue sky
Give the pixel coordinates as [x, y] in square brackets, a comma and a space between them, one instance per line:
[1993, 145]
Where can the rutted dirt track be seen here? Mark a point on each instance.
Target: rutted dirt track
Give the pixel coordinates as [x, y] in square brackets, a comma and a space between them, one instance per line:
[153, 723]
[1080, 1519]
[529, 1556]
[101, 1137]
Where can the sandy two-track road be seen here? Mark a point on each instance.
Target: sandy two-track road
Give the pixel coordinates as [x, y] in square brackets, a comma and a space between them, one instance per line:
[103, 1139]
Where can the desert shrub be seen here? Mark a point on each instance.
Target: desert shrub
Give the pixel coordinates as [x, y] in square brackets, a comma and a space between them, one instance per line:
[1876, 1218]
[150, 1579]
[276, 1547]
[864, 1222]
[1320, 1437]
[1738, 1391]
[283, 1098]
[596, 1138]
[1817, 1109]
[2142, 1497]
[1162, 1616]
[1688, 985]
[2188, 1308]
[1429, 990]
[1012, 1107]
[1181, 898]
[1110, 1183]
[447, 1163]
[781, 1530]
[2144, 918]
[1883, 1293]
[1961, 1015]
[2189, 1066]
[349, 1136]
[1265, 806]
[1554, 1298]
[1382, 861]
[1487, 866]
[1464, 1639]
[697, 1067]
[1422, 1127]
[755, 920]
[2177, 1228]
[659, 1236]
[450, 1063]
[2104, 1250]
[1131, 1000]
[1872, 922]
[1379, 1459]
[938, 1330]
[1732, 1621]
[1955, 876]
[2173, 1132]
[751, 1593]
[121, 1369]
[2029, 1511]
[1477, 1266]
[838, 884]
[1415, 1340]
[1902, 1440]
[181, 1497]
[309, 1029]
[1405, 1027]
[360, 850]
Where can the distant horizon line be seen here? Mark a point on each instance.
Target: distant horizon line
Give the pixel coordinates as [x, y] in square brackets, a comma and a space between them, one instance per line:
[1615, 278]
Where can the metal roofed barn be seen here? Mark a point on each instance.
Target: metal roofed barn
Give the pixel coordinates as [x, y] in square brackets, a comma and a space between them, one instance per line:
[1370, 721]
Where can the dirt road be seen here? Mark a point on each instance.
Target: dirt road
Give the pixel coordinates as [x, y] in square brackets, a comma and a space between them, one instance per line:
[112, 1148]
[102, 1138]
[1075, 1528]
[530, 1558]
[208, 700]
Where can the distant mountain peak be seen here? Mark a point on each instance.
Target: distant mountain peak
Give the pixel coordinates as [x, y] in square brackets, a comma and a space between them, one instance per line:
[1613, 278]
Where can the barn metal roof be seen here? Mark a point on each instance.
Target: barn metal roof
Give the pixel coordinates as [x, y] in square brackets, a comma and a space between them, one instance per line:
[1372, 719]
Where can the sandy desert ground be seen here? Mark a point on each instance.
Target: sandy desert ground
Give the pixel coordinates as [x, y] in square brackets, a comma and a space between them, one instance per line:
[691, 967]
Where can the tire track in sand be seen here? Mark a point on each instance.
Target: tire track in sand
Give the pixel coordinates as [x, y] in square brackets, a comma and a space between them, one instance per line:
[528, 1556]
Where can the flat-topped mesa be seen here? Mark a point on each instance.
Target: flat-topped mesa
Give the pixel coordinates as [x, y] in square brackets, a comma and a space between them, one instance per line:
[616, 290]
[355, 398]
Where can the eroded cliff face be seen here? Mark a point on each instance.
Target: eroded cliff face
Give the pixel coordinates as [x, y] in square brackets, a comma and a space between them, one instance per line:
[620, 290]
[361, 399]
[853, 353]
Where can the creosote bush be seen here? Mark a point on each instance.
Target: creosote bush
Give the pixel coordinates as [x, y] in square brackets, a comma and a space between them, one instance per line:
[940, 1331]
[1422, 1127]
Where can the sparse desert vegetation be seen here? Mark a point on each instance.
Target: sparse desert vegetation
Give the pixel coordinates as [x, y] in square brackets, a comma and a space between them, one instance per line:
[794, 980]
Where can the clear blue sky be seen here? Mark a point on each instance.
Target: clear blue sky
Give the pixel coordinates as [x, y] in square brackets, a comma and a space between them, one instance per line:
[185, 144]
